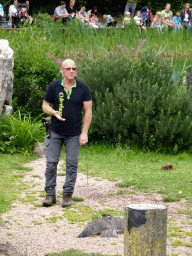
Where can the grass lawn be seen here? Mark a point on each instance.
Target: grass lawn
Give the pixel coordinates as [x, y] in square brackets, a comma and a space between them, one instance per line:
[74, 253]
[11, 173]
[141, 170]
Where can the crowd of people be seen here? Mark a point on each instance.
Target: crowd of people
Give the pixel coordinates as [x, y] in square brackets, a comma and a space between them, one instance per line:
[143, 18]
[18, 13]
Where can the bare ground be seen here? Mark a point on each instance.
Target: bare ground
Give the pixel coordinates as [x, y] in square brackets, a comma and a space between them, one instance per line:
[27, 229]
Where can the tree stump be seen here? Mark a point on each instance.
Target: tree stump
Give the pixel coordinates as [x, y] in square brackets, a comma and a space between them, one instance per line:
[145, 230]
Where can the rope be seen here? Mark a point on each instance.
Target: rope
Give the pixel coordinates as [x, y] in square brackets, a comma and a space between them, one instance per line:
[87, 175]
[6, 3]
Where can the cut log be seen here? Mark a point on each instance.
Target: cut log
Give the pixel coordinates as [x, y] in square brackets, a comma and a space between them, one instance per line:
[145, 230]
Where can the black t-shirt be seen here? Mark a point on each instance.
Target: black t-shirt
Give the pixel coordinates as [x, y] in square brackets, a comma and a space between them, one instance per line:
[71, 108]
[69, 10]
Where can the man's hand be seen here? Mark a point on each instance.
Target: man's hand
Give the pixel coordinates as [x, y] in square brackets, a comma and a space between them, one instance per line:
[83, 139]
[57, 115]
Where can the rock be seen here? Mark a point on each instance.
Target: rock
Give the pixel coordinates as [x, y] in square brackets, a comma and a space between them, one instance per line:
[108, 226]
[6, 76]
[8, 250]
[39, 149]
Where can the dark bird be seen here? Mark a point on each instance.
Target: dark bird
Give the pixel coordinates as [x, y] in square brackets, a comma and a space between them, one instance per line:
[108, 226]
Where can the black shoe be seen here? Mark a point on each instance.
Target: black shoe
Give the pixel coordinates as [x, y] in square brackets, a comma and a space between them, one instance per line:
[66, 201]
[49, 200]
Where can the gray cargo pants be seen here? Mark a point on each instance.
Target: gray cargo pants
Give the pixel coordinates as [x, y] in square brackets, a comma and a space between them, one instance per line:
[53, 147]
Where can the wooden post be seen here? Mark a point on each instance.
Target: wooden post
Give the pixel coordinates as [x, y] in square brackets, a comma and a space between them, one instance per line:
[145, 230]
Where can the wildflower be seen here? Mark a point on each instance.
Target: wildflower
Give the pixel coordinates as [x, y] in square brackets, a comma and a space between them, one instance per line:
[85, 63]
[144, 41]
[91, 59]
[139, 43]
[66, 53]
[112, 50]
[50, 55]
[78, 72]
[77, 57]
[120, 47]
[58, 60]
[156, 130]
[133, 49]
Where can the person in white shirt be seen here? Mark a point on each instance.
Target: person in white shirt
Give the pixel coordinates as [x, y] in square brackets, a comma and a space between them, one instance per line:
[139, 21]
[13, 13]
[61, 12]
[13, 9]
[82, 15]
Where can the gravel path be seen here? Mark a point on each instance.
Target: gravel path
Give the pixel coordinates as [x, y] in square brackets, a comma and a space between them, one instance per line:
[29, 231]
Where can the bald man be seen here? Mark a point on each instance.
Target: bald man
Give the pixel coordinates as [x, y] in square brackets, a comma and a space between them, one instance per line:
[64, 101]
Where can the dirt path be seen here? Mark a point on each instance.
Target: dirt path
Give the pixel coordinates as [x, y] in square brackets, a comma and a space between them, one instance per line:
[31, 229]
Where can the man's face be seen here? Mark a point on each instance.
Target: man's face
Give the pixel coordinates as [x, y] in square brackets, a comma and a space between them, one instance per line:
[168, 7]
[82, 11]
[68, 70]
[27, 3]
[15, 3]
[63, 6]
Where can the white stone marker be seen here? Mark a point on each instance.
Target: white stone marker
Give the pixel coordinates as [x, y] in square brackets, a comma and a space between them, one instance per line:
[145, 230]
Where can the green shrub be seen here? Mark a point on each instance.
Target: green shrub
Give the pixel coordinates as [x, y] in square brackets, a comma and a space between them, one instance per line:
[19, 134]
[136, 100]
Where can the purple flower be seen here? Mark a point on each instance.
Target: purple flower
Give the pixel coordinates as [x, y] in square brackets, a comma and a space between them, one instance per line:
[91, 59]
[133, 49]
[156, 130]
[112, 50]
[58, 60]
[144, 41]
[50, 55]
[120, 47]
[85, 63]
[113, 56]
[139, 43]
[78, 72]
[77, 57]
[66, 53]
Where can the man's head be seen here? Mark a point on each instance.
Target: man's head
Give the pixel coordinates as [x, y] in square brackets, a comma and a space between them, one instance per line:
[15, 2]
[27, 2]
[68, 69]
[83, 9]
[62, 4]
[168, 7]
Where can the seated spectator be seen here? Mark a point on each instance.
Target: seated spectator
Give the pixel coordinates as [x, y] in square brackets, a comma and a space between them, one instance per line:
[186, 17]
[139, 21]
[13, 13]
[109, 21]
[61, 12]
[29, 11]
[127, 19]
[167, 16]
[130, 7]
[92, 11]
[93, 21]
[71, 9]
[177, 21]
[1, 10]
[82, 15]
[157, 21]
[23, 15]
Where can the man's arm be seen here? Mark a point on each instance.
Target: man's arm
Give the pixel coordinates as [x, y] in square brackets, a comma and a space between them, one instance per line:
[50, 111]
[87, 105]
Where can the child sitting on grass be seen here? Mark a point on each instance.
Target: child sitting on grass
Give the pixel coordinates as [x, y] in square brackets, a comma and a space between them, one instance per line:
[177, 20]
[109, 20]
[139, 21]
[127, 19]
[157, 21]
